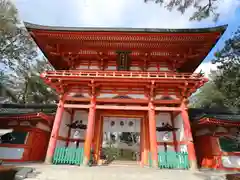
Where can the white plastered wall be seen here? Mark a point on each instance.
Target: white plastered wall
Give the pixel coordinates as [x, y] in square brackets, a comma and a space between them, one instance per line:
[164, 118]
[11, 153]
[231, 161]
[178, 122]
[63, 129]
[79, 115]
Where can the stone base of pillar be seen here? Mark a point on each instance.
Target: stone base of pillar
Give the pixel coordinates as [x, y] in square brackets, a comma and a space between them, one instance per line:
[154, 163]
[100, 162]
[85, 161]
[193, 165]
[48, 160]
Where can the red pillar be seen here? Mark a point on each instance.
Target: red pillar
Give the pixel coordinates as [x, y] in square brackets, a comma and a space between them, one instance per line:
[188, 137]
[54, 133]
[96, 138]
[146, 141]
[175, 143]
[69, 130]
[142, 141]
[90, 132]
[152, 133]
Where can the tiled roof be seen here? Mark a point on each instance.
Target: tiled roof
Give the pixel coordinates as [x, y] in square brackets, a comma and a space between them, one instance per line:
[223, 117]
[15, 109]
[220, 114]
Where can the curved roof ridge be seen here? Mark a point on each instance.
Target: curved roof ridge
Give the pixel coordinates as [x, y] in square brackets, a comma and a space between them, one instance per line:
[107, 29]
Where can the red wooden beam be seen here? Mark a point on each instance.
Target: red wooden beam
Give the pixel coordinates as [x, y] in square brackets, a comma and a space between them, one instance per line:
[130, 101]
[48, 118]
[95, 47]
[114, 107]
[115, 34]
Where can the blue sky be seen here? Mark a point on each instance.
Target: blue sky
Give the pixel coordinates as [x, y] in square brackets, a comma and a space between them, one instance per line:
[124, 13]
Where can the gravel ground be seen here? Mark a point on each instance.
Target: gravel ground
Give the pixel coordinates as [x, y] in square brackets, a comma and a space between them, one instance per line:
[61, 172]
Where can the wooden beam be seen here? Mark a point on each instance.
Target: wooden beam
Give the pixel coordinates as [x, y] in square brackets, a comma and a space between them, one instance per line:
[77, 106]
[115, 107]
[167, 109]
[129, 101]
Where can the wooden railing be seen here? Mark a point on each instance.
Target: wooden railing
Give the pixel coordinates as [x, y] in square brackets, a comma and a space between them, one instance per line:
[121, 74]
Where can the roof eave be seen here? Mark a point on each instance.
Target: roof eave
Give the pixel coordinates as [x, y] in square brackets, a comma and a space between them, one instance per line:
[31, 26]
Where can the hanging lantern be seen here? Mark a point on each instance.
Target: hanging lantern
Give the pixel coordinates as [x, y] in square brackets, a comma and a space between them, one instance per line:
[112, 123]
[130, 123]
[121, 123]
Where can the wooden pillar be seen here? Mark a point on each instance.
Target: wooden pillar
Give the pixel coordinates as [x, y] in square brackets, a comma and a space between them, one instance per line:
[69, 130]
[54, 133]
[97, 137]
[142, 139]
[89, 132]
[100, 138]
[188, 137]
[175, 143]
[152, 133]
[146, 141]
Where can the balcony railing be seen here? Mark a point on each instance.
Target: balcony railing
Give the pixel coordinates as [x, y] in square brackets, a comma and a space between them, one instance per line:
[121, 74]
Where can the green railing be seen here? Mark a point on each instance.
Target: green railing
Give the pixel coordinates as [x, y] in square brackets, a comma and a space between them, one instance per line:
[66, 155]
[171, 160]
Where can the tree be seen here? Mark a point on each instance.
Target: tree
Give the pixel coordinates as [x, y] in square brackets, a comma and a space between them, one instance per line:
[7, 92]
[208, 97]
[18, 55]
[204, 9]
[33, 89]
[228, 78]
[223, 90]
[15, 43]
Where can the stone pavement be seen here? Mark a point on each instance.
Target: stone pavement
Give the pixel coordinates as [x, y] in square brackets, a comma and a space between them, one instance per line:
[61, 172]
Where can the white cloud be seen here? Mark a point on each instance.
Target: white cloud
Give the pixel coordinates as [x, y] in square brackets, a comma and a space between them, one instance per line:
[227, 8]
[113, 13]
[206, 68]
[100, 13]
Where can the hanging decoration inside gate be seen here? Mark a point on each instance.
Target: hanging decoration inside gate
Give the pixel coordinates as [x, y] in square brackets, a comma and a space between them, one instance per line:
[77, 125]
[166, 127]
[120, 124]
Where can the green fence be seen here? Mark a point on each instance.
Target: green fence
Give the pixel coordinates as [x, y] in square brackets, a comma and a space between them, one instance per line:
[66, 155]
[173, 160]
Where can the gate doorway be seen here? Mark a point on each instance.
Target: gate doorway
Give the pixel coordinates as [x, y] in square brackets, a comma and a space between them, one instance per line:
[121, 141]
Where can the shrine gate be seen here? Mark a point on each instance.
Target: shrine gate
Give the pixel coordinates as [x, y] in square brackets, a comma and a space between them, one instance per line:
[145, 73]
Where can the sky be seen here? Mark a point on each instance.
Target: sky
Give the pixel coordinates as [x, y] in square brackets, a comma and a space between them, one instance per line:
[126, 13]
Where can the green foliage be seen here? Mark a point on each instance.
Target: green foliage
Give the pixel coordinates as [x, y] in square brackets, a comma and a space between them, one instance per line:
[224, 88]
[20, 81]
[207, 97]
[15, 44]
[7, 89]
[228, 78]
[203, 9]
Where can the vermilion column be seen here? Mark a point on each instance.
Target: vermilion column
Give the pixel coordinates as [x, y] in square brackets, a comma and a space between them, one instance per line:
[90, 132]
[188, 137]
[152, 133]
[142, 141]
[174, 134]
[97, 132]
[146, 141]
[54, 133]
